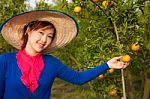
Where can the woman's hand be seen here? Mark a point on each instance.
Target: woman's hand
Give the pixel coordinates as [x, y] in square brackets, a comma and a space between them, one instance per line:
[116, 63]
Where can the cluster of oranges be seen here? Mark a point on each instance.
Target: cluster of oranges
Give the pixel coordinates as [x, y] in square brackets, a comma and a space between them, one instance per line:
[135, 48]
[105, 4]
[126, 58]
[101, 76]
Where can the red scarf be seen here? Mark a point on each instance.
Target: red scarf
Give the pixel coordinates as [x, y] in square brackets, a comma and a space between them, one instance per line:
[31, 68]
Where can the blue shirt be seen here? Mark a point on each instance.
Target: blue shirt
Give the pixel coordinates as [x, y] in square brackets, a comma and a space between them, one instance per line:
[11, 87]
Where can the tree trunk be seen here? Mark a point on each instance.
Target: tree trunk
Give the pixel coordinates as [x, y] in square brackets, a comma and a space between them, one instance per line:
[130, 84]
[147, 86]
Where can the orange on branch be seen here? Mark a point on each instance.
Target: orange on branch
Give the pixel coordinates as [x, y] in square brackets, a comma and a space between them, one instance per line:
[135, 47]
[95, 1]
[113, 92]
[105, 4]
[100, 77]
[77, 9]
[111, 70]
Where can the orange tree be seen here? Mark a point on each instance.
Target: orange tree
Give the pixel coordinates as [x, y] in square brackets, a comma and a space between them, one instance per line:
[108, 29]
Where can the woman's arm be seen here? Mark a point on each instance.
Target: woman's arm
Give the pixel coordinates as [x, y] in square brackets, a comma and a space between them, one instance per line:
[75, 77]
[79, 78]
[2, 76]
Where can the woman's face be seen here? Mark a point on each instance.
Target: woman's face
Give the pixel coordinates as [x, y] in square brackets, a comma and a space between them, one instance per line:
[38, 40]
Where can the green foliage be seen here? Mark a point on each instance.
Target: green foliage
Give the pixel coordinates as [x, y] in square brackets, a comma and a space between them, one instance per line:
[9, 8]
[42, 5]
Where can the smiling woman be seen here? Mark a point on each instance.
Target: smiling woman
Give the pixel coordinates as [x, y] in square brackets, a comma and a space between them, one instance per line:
[37, 35]
[30, 72]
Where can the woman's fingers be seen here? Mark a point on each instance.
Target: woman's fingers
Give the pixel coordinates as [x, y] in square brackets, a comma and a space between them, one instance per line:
[125, 64]
[117, 63]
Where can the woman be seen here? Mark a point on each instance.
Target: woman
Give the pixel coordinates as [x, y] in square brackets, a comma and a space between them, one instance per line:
[30, 72]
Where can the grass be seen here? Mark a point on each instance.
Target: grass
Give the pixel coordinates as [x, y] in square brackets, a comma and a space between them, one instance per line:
[65, 90]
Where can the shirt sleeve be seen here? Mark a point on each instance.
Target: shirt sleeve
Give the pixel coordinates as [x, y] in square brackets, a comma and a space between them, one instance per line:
[2, 76]
[82, 77]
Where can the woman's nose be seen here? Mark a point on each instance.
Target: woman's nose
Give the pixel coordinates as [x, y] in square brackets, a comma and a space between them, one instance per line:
[44, 39]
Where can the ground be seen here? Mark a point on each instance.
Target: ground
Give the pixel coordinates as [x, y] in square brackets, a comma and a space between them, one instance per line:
[65, 90]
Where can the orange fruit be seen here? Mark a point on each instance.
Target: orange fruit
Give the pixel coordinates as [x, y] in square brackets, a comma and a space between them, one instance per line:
[77, 9]
[126, 58]
[135, 47]
[113, 92]
[105, 4]
[95, 1]
[100, 77]
[111, 70]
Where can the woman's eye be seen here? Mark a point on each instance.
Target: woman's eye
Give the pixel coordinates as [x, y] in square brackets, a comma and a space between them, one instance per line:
[41, 32]
[50, 36]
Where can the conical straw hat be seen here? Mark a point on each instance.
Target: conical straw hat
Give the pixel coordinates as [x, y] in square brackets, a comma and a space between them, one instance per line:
[66, 27]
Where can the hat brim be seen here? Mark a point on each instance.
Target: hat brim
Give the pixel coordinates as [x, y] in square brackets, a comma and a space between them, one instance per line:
[66, 27]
